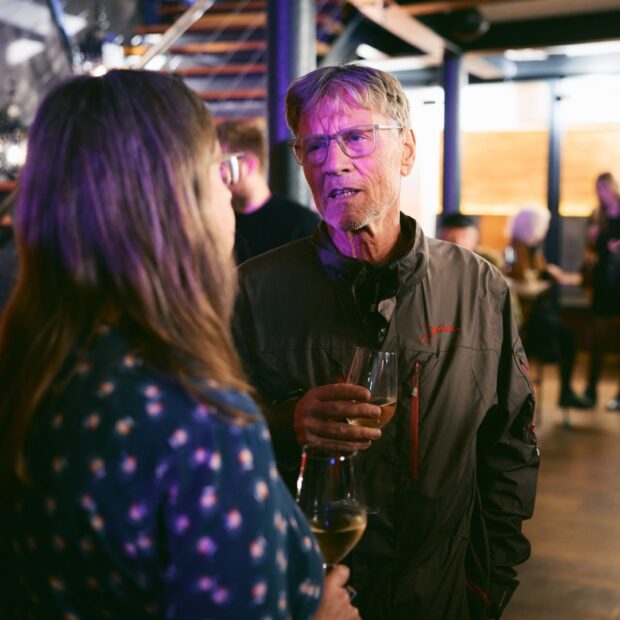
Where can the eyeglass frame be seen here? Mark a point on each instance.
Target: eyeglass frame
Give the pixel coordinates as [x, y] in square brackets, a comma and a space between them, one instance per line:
[295, 142]
[230, 162]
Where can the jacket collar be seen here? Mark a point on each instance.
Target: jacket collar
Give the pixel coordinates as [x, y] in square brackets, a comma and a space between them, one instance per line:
[411, 267]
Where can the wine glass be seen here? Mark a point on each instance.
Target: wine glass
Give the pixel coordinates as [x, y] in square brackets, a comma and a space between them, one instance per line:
[329, 494]
[376, 371]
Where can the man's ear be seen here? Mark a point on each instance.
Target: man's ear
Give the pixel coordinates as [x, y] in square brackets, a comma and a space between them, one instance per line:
[408, 157]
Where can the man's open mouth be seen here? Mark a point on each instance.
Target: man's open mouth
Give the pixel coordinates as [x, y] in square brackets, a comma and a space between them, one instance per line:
[344, 192]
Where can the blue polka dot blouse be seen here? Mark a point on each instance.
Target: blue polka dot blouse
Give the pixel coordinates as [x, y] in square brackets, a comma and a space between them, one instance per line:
[143, 503]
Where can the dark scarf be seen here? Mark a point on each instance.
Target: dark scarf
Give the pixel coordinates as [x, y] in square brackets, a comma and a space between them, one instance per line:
[373, 287]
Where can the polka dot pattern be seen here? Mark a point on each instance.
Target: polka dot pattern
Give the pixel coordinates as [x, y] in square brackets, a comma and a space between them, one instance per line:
[146, 504]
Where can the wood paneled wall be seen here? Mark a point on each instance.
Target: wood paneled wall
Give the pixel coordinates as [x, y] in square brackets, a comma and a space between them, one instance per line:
[503, 170]
[586, 152]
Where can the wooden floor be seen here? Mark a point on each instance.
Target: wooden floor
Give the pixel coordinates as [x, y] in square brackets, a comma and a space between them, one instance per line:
[574, 571]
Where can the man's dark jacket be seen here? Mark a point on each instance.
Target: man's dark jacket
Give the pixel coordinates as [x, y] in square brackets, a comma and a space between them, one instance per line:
[454, 474]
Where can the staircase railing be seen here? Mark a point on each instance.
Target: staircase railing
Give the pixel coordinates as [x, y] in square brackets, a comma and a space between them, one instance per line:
[180, 26]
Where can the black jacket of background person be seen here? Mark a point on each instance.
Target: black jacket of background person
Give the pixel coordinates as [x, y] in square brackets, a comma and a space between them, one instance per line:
[277, 222]
[454, 474]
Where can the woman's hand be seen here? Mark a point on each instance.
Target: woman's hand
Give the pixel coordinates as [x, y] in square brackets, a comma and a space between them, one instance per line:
[336, 602]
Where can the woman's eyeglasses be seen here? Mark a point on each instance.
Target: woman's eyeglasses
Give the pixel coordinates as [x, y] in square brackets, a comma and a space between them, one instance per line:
[229, 167]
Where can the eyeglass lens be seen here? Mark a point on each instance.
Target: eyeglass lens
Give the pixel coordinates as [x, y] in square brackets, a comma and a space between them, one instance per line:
[229, 169]
[354, 142]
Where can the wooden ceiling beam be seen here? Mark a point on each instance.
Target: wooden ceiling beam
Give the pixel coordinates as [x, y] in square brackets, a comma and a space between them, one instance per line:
[447, 6]
[234, 94]
[393, 18]
[227, 69]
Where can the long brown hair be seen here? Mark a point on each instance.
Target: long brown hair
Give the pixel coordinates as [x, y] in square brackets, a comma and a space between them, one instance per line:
[113, 220]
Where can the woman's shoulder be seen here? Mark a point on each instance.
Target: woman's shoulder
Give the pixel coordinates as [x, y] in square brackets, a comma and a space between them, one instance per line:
[113, 389]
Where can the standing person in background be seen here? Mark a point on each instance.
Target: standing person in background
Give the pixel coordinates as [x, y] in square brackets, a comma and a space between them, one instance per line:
[544, 333]
[453, 474]
[603, 237]
[136, 473]
[263, 220]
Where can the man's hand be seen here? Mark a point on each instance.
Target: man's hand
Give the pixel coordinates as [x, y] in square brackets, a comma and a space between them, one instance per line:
[321, 418]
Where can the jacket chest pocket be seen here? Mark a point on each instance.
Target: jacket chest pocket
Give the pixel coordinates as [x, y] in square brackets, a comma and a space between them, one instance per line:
[444, 411]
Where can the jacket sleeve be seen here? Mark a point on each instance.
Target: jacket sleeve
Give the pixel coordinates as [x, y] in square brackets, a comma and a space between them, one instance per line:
[508, 461]
[277, 409]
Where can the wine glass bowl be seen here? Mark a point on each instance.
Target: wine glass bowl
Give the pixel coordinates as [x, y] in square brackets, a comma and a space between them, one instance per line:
[376, 371]
[329, 494]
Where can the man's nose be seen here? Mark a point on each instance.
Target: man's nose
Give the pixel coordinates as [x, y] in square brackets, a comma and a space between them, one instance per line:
[336, 160]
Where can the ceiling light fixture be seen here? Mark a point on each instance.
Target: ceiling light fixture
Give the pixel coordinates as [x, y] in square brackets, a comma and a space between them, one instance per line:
[526, 54]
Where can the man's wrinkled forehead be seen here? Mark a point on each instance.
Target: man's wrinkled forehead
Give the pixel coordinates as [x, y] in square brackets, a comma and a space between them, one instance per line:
[331, 108]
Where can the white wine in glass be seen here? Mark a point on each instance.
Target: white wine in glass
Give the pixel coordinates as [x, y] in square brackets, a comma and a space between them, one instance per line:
[329, 494]
[376, 371]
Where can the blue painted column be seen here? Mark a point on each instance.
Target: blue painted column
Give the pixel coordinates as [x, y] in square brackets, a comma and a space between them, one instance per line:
[453, 77]
[554, 235]
[291, 53]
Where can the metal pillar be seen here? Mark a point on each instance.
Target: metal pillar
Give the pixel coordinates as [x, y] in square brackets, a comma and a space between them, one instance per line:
[452, 79]
[57, 14]
[554, 236]
[291, 52]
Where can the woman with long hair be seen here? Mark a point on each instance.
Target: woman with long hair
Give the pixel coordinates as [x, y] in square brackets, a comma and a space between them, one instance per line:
[603, 236]
[136, 472]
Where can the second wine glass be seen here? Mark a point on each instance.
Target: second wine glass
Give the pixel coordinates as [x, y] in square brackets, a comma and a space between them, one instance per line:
[330, 495]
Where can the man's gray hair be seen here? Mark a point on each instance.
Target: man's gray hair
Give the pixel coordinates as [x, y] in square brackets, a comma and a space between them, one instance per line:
[367, 87]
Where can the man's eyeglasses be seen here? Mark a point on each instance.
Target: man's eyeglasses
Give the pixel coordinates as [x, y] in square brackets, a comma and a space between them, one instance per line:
[354, 141]
[229, 167]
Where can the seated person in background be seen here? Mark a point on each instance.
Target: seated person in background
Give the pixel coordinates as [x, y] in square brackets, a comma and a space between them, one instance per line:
[544, 334]
[604, 241]
[462, 230]
[263, 220]
[136, 473]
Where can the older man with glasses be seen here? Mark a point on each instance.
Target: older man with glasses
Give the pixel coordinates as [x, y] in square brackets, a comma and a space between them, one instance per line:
[452, 476]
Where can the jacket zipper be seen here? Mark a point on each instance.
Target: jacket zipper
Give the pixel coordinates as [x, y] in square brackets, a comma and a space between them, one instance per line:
[415, 420]
[477, 590]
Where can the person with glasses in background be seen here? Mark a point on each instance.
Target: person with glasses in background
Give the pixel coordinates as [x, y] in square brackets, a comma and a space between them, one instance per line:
[264, 220]
[136, 472]
[453, 474]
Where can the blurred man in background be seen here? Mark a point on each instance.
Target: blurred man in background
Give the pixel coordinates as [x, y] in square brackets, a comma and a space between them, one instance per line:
[264, 220]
